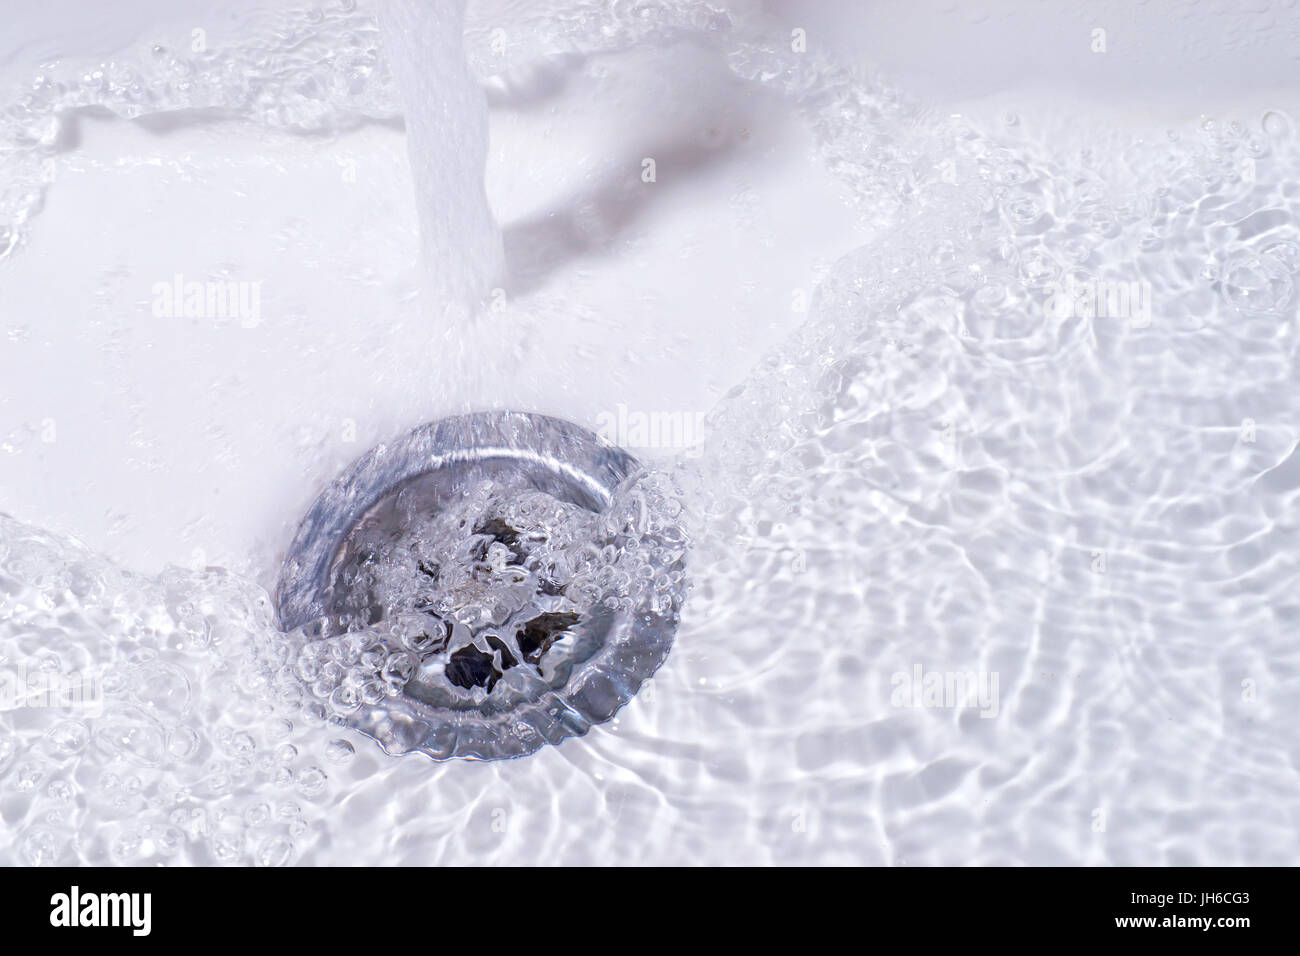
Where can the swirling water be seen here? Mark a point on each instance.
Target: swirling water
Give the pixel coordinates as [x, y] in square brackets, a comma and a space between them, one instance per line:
[1039, 432]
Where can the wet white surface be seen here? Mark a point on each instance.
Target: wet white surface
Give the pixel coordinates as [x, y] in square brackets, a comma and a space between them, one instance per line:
[933, 470]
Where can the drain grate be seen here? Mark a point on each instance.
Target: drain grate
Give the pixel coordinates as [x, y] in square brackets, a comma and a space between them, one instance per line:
[486, 585]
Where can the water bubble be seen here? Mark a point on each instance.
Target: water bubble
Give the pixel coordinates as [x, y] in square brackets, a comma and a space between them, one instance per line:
[374, 691]
[227, 845]
[126, 846]
[1012, 172]
[311, 781]
[1277, 126]
[168, 840]
[39, 846]
[60, 791]
[257, 816]
[344, 700]
[1039, 270]
[1285, 254]
[1253, 286]
[133, 736]
[275, 851]
[162, 690]
[67, 738]
[1023, 209]
[339, 751]
[28, 777]
[399, 667]
[1075, 250]
[182, 742]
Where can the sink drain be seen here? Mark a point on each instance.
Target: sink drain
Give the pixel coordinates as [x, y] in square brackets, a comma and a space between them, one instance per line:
[488, 584]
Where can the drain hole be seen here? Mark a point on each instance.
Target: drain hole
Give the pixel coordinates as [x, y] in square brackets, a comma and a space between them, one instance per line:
[469, 667]
[496, 577]
[537, 636]
[515, 583]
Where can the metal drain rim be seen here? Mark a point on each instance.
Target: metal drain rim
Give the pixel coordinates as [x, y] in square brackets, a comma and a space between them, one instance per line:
[637, 643]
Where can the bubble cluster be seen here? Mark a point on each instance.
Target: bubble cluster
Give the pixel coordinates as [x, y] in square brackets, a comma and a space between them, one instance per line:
[494, 602]
[142, 722]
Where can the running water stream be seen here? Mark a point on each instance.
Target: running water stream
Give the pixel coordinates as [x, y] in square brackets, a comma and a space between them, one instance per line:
[447, 138]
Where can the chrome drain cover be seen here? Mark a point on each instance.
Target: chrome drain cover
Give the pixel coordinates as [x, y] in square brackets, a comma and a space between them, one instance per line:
[487, 584]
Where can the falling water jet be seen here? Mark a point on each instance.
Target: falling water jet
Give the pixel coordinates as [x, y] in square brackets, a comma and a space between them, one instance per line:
[447, 137]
